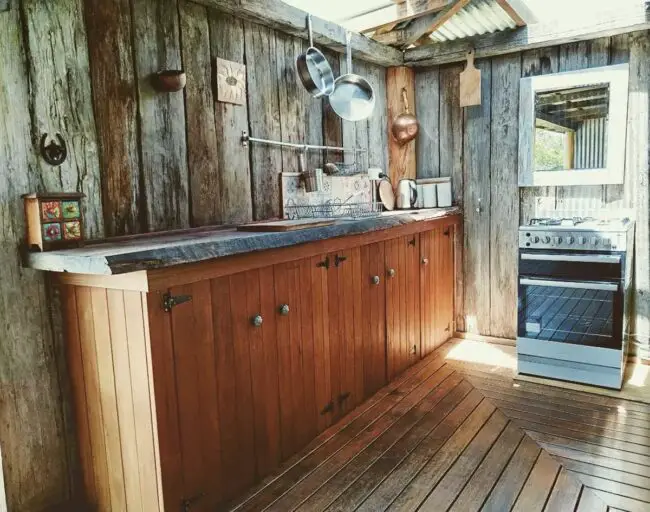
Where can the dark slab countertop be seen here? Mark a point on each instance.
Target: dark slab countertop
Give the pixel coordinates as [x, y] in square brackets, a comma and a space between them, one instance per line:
[152, 251]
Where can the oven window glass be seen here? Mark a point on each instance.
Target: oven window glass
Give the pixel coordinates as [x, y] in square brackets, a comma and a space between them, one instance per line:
[567, 314]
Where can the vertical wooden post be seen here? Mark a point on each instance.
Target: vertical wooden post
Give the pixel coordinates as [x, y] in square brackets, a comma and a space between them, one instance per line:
[401, 159]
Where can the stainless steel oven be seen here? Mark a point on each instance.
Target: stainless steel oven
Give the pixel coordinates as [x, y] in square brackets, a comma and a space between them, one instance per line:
[573, 285]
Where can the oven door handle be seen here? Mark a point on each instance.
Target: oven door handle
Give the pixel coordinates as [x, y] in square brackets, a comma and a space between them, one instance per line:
[582, 285]
[581, 258]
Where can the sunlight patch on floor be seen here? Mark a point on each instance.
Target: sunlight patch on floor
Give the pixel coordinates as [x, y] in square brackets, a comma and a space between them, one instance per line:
[470, 351]
[639, 376]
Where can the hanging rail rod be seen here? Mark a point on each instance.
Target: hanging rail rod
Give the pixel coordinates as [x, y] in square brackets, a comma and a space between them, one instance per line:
[245, 139]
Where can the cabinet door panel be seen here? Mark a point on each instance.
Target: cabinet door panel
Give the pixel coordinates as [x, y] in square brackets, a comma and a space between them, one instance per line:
[402, 303]
[428, 248]
[373, 300]
[345, 327]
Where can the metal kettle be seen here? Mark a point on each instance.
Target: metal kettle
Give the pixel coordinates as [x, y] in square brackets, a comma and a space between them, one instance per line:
[407, 194]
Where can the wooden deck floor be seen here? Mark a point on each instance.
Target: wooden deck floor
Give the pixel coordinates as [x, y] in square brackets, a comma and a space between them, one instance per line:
[461, 435]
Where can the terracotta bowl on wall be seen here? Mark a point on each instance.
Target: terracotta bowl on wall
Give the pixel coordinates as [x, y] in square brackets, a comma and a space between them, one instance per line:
[169, 80]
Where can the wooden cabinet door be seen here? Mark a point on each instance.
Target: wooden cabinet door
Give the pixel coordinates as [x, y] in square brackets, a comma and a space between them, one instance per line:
[436, 287]
[402, 258]
[296, 357]
[345, 330]
[216, 385]
[373, 304]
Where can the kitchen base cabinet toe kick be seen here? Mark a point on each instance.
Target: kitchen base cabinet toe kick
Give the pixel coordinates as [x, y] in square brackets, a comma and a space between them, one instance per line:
[193, 383]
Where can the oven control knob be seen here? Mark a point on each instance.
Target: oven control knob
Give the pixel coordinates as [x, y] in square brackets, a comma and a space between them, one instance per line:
[607, 242]
[546, 239]
[594, 240]
[557, 240]
[570, 240]
[535, 240]
[582, 240]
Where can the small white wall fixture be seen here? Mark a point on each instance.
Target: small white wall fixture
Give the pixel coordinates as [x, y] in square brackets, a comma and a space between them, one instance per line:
[617, 78]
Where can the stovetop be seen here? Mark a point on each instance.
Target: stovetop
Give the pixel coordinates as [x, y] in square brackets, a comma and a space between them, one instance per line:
[576, 234]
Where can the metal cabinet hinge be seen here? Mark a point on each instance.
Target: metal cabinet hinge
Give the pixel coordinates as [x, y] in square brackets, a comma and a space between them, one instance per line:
[169, 301]
[343, 397]
[325, 263]
[446, 232]
[328, 408]
[412, 242]
[339, 259]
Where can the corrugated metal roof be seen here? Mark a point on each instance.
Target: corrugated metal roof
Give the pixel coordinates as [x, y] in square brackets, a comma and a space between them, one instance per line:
[479, 17]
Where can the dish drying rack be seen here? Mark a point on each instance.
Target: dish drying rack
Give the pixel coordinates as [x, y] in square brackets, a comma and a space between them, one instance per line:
[332, 210]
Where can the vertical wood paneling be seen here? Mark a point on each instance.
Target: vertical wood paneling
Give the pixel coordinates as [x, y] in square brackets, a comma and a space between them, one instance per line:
[227, 42]
[639, 170]
[504, 206]
[241, 327]
[164, 380]
[378, 121]
[332, 124]
[61, 102]
[264, 369]
[264, 119]
[477, 145]
[308, 351]
[428, 297]
[161, 115]
[427, 108]
[202, 146]
[110, 46]
[320, 319]
[534, 201]
[619, 196]
[373, 297]
[402, 158]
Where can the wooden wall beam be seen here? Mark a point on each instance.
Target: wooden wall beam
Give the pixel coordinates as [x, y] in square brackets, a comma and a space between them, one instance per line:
[291, 20]
[533, 36]
[401, 158]
[5, 5]
[384, 18]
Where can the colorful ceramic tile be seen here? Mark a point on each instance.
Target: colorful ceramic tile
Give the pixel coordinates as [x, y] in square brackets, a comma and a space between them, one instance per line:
[70, 209]
[72, 230]
[51, 232]
[51, 210]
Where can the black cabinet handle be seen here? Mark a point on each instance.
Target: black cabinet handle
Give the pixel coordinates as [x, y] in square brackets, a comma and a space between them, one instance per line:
[446, 232]
[339, 259]
[324, 264]
[412, 242]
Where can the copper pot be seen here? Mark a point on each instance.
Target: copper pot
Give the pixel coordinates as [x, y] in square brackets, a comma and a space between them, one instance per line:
[405, 126]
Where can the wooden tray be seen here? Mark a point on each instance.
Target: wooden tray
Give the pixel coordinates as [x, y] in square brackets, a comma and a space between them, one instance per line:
[285, 225]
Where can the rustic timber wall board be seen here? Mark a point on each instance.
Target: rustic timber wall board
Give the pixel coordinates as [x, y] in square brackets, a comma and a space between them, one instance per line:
[478, 148]
[145, 160]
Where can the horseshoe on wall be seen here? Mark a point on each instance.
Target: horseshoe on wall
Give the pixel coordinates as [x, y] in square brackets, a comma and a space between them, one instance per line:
[55, 152]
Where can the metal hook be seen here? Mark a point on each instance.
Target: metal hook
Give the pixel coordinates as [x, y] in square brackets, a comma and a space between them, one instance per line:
[54, 153]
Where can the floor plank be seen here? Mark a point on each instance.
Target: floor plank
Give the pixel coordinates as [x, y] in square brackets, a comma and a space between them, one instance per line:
[463, 435]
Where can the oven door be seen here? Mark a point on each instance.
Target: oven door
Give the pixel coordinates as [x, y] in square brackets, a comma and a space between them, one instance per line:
[579, 312]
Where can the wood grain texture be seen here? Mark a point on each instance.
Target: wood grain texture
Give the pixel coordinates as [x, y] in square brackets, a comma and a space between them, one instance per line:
[377, 122]
[234, 173]
[264, 119]
[428, 105]
[504, 206]
[477, 207]
[110, 39]
[402, 158]
[162, 127]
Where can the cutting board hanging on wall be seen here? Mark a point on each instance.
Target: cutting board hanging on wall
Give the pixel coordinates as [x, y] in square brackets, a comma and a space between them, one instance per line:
[470, 83]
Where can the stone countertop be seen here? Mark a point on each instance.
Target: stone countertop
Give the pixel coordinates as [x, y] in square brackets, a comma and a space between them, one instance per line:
[160, 250]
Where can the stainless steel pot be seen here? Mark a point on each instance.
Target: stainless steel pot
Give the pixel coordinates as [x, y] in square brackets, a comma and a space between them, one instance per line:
[353, 98]
[313, 69]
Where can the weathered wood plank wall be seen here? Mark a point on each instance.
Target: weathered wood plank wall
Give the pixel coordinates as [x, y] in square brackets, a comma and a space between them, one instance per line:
[146, 161]
[478, 148]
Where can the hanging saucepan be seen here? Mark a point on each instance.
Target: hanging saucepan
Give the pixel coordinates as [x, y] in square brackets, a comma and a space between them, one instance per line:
[405, 126]
[313, 69]
[353, 98]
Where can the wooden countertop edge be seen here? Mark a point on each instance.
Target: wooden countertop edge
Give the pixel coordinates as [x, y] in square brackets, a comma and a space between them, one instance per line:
[155, 279]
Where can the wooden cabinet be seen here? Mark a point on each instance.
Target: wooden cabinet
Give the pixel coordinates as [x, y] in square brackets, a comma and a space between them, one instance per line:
[436, 287]
[402, 260]
[192, 383]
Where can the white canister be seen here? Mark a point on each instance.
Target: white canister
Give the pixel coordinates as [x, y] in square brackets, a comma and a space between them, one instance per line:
[444, 193]
[429, 195]
[419, 203]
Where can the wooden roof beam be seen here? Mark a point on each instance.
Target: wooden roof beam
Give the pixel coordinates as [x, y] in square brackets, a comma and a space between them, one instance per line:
[533, 36]
[421, 26]
[393, 13]
[291, 20]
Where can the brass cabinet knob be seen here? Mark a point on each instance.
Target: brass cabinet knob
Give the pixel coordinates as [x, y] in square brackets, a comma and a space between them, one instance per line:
[375, 280]
[425, 261]
[284, 309]
[257, 320]
[391, 272]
